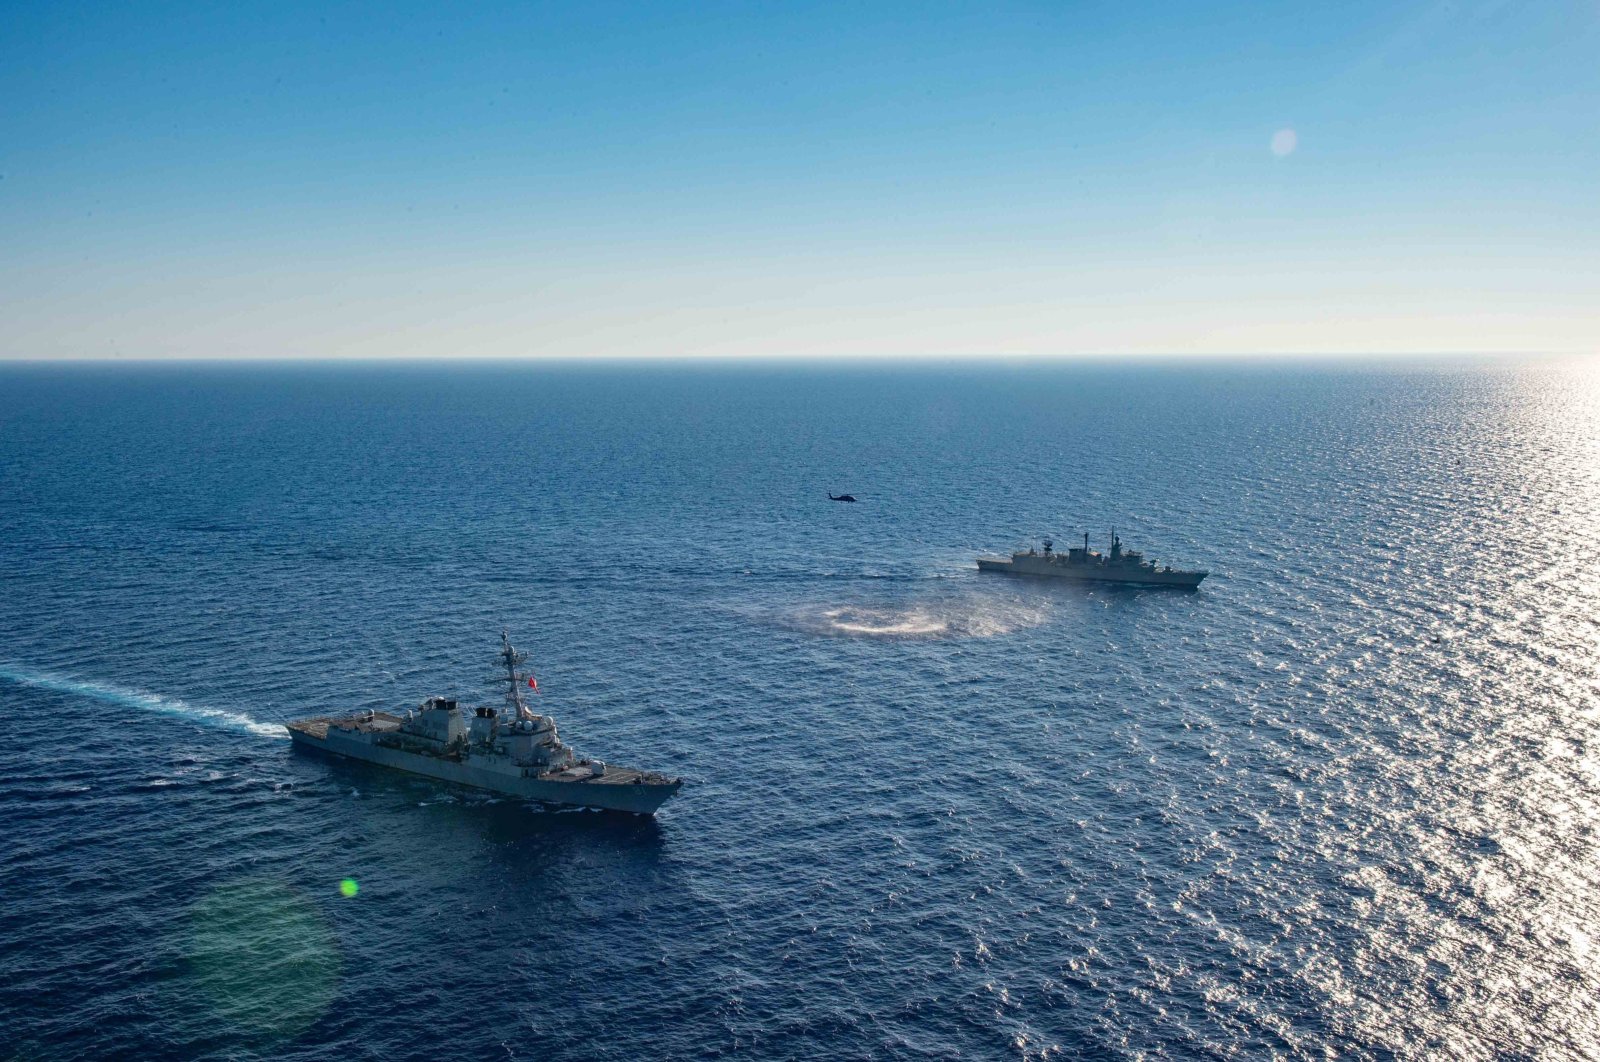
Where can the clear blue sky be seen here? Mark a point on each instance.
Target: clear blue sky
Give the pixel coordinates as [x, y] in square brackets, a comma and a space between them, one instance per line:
[239, 180]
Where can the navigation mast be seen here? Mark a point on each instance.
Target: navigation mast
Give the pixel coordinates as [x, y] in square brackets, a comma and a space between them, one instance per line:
[512, 658]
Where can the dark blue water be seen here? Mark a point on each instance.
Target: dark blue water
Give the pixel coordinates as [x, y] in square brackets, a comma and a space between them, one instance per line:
[1340, 801]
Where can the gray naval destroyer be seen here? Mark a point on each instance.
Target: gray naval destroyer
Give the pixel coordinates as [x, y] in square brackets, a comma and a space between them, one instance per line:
[510, 750]
[1087, 565]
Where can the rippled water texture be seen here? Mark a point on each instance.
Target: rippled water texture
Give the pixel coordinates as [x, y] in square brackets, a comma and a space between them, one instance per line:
[1341, 801]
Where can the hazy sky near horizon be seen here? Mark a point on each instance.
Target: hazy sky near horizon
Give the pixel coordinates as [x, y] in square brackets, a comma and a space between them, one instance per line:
[399, 179]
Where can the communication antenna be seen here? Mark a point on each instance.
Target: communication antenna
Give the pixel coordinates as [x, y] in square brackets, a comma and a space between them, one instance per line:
[513, 658]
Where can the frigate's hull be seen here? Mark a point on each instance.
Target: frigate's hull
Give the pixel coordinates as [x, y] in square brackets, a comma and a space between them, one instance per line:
[1089, 573]
[618, 789]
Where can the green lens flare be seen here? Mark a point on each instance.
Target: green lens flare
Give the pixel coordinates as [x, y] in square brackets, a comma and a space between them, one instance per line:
[348, 887]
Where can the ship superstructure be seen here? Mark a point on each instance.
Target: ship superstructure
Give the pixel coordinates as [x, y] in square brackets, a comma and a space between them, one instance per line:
[510, 750]
[1087, 565]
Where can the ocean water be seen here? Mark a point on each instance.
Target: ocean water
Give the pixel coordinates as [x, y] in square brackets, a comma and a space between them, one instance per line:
[1340, 801]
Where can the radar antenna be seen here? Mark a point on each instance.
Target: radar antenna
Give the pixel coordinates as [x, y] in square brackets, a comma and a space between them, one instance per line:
[513, 679]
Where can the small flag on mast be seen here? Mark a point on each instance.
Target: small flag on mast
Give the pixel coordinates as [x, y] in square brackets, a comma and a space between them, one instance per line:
[533, 683]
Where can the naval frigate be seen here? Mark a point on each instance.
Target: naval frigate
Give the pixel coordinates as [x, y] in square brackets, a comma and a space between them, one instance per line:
[1087, 565]
[510, 750]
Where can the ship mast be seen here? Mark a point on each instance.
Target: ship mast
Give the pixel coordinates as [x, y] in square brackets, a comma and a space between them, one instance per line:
[513, 679]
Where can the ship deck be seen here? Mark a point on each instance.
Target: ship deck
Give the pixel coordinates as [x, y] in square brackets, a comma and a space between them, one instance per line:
[613, 776]
[317, 727]
[384, 722]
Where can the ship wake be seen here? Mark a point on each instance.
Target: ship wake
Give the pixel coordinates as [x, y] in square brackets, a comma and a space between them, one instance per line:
[963, 619]
[149, 702]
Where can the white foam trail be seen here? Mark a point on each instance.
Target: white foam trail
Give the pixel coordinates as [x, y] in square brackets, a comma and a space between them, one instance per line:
[914, 623]
[953, 619]
[149, 702]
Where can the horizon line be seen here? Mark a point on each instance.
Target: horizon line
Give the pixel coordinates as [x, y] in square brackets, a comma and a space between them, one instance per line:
[1011, 358]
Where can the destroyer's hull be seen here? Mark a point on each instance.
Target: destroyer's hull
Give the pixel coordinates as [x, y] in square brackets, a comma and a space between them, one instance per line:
[1089, 573]
[618, 789]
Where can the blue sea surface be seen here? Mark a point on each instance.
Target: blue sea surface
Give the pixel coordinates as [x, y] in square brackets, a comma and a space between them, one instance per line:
[1340, 801]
